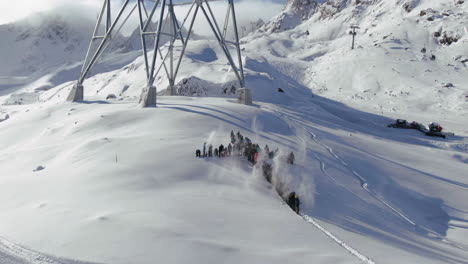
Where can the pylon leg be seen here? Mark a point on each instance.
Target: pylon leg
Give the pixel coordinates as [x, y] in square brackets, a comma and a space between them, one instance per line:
[148, 97]
[245, 96]
[170, 91]
[76, 94]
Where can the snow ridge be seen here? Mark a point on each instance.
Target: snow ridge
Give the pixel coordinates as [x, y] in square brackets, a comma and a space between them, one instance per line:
[27, 255]
[351, 250]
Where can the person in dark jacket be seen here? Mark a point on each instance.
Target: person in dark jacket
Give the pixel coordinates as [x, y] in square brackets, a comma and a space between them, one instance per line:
[291, 158]
[271, 154]
[239, 136]
[233, 137]
[198, 153]
[267, 171]
[266, 149]
[252, 149]
[229, 150]
[221, 149]
[293, 202]
[210, 151]
[247, 151]
[216, 152]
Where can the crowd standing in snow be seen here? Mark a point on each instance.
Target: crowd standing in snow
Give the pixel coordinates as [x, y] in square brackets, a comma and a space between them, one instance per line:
[241, 146]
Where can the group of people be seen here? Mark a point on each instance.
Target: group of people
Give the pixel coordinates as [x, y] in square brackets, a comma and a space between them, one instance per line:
[221, 151]
[243, 146]
[239, 146]
[292, 199]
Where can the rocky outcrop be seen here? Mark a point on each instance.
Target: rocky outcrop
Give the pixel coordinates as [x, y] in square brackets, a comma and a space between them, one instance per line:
[294, 13]
[192, 86]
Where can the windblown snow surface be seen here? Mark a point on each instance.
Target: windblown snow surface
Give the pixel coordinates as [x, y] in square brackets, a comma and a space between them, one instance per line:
[105, 181]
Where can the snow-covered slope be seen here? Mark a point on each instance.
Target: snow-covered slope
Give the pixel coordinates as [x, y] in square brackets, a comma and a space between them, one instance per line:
[388, 71]
[107, 194]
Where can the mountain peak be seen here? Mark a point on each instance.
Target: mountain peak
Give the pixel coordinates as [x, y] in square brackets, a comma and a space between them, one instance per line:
[303, 8]
[294, 13]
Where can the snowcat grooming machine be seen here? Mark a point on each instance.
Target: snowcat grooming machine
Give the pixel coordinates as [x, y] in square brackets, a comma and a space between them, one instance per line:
[435, 130]
[400, 123]
[419, 126]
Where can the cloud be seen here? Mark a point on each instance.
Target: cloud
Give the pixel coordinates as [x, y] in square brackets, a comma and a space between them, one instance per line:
[11, 11]
[247, 11]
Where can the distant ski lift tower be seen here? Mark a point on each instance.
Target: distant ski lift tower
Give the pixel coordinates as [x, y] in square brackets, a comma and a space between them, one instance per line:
[151, 32]
[353, 33]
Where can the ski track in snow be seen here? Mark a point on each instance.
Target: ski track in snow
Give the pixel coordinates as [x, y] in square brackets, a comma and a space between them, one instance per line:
[309, 219]
[363, 182]
[16, 254]
[337, 240]
[361, 179]
[324, 171]
[365, 186]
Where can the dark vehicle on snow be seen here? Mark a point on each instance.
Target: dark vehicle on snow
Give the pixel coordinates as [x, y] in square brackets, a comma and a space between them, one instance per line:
[435, 130]
[400, 123]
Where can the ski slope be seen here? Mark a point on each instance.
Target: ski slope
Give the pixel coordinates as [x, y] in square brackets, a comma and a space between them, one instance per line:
[106, 170]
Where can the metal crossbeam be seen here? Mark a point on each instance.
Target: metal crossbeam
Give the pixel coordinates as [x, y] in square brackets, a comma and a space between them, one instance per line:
[167, 26]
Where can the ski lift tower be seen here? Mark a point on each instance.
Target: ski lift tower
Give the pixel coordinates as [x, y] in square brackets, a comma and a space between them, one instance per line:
[353, 33]
[157, 19]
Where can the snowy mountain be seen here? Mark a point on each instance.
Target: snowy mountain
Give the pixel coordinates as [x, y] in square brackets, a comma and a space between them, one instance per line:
[47, 49]
[105, 181]
[41, 42]
[399, 53]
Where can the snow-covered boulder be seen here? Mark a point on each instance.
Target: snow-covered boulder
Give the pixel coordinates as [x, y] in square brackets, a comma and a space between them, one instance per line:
[39, 168]
[192, 86]
[4, 117]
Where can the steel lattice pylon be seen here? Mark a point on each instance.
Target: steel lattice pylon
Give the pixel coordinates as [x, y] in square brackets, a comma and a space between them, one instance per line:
[167, 25]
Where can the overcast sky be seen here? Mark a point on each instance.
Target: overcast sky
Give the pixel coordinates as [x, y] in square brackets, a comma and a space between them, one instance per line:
[17, 9]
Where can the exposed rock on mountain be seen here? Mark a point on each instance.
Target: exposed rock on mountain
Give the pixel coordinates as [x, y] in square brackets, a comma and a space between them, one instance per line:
[294, 13]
